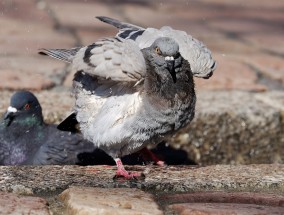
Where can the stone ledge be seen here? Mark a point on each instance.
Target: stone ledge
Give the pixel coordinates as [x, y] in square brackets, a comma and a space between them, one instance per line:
[235, 127]
[176, 189]
[231, 127]
[45, 180]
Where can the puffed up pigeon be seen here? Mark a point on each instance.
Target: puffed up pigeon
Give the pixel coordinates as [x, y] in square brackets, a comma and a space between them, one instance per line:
[26, 140]
[135, 88]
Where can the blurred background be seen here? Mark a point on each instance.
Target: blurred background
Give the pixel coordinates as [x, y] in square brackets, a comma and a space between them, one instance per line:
[240, 109]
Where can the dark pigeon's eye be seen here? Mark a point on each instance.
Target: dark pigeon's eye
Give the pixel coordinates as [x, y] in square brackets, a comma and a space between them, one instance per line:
[27, 106]
[158, 51]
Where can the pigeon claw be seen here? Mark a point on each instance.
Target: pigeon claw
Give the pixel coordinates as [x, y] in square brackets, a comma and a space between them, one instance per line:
[122, 173]
[147, 154]
[160, 163]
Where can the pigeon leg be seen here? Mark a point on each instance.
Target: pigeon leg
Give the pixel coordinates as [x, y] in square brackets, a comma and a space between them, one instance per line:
[148, 154]
[121, 172]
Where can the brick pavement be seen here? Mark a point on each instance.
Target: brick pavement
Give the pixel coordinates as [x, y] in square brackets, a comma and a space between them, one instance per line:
[246, 189]
[245, 37]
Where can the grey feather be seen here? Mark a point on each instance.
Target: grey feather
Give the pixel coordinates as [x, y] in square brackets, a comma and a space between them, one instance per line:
[111, 59]
[126, 30]
[118, 24]
[61, 54]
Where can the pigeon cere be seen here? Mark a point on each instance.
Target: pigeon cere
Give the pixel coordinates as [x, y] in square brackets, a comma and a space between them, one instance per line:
[134, 89]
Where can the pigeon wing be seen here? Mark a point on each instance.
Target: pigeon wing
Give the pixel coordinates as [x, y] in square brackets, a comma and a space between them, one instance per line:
[111, 58]
[126, 30]
[4, 150]
[195, 52]
[61, 148]
[65, 55]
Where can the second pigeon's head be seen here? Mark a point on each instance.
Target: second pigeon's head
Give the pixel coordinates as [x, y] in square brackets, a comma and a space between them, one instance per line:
[164, 53]
[24, 107]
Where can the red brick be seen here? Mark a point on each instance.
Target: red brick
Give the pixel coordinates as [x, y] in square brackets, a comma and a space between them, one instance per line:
[241, 26]
[271, 41]
[25, 12]
[26, 39]
[224, 209]
[28, 72]
[91, 200]
[14, 204]
[269, 65]
[272, 4]
[89, 36]
[230, 74]
[80, 15]
[17, 80]
[226, 197]
[186, 17]
[219, 44]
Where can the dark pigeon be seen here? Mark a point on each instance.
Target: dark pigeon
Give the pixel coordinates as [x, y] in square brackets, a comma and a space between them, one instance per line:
[25, 139]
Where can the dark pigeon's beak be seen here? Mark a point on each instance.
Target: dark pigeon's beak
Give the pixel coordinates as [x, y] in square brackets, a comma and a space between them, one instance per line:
[171, 66]
[10, 114]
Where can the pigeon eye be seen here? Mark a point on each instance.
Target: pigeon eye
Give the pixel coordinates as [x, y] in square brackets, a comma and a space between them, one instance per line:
[158, 51]
[27, 106]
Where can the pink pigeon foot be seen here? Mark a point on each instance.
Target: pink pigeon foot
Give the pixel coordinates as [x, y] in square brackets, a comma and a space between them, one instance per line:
[146, 153]
[121, 172]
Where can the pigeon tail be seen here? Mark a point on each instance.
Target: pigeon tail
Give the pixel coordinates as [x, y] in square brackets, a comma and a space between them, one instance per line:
[61, 54]
[69, 124]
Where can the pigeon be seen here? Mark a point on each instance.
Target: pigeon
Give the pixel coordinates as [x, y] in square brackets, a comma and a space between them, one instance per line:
[25, 139]
[134, 89]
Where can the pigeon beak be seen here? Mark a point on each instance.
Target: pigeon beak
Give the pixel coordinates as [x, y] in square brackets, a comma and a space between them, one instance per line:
[10, 113]
[171, 66]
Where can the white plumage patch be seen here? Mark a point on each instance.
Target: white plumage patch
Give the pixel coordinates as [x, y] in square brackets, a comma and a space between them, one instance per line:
[109, 118]
[169, 58]
[12, 109]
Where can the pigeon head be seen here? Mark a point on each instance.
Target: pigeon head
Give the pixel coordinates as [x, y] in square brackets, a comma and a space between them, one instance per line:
[24, 107]
[165, 54]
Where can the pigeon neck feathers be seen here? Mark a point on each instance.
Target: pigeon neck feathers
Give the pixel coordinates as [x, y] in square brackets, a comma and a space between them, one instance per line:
[168, 73]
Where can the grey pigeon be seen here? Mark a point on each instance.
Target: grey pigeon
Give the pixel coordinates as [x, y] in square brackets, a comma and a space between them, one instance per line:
[136, 88]
[26, 140]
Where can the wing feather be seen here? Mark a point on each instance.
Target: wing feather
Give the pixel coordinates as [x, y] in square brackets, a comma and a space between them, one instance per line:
[116, 60]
